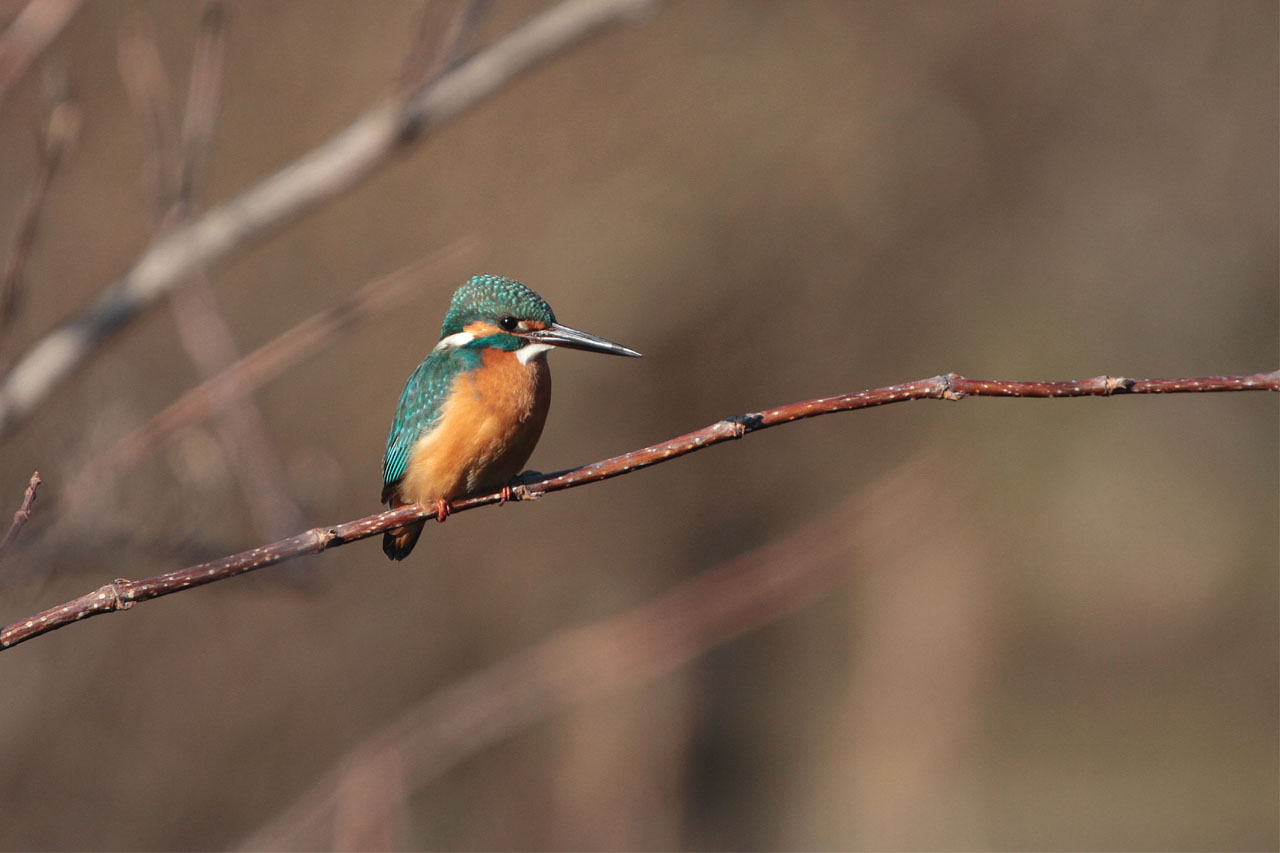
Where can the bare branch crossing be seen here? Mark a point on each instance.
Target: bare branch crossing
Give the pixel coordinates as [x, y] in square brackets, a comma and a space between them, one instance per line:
[123, 594]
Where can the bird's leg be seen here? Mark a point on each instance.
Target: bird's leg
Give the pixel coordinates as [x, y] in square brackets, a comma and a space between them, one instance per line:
[442, 509]
[505, 494]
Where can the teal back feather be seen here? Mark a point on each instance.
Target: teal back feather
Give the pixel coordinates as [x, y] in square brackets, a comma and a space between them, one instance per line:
[419, 408]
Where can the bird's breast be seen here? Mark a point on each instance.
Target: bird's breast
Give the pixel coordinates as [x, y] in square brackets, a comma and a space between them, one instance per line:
[487, 429]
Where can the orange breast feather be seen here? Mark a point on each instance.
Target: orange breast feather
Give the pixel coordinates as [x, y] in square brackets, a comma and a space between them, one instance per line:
[485, 434]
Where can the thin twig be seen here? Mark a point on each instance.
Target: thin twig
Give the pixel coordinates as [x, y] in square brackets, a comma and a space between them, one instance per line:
[322, 174]
[437, 47]
[36, 26]
[123, 594]
[57, 136]
[24, 512]
[147, 85]
[204, 95]
[583, 663]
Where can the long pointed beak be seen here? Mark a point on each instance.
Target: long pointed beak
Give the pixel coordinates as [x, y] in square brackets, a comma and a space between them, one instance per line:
[562, 336]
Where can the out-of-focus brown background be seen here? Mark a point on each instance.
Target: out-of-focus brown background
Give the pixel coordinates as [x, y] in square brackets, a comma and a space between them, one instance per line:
[1072, 642]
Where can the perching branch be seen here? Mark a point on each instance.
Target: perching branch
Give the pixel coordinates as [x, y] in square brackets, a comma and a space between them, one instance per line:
[24, 512]
[319, 175]
[123, 594]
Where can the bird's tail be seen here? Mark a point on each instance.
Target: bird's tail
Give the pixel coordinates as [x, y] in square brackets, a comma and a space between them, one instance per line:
[397, 543]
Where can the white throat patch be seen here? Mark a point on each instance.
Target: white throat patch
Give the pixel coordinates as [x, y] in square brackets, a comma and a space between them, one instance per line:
[529, 352]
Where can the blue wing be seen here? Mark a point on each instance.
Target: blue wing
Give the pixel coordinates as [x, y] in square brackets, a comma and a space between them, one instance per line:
[419, 409]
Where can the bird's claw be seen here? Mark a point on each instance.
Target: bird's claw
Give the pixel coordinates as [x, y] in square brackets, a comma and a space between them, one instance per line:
[442, 510]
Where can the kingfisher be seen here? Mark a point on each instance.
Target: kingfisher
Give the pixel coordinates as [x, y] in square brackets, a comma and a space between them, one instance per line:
[471, 413]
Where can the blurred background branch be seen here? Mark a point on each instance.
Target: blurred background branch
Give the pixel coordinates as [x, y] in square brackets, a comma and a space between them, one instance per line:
[292, 346]
[175, 155]
[55, 138]
[176, 152]
[581, 664]
[317, 176]
[28, 35]
[442, 39]
[1071, 639]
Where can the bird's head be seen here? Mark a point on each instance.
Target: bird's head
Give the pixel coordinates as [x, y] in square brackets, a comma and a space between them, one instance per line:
[494, 311]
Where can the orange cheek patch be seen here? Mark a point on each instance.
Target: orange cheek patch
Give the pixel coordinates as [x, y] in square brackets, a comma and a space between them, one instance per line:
[481, 329]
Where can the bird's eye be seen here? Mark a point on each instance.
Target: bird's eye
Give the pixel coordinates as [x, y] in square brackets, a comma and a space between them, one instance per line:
[508, 323]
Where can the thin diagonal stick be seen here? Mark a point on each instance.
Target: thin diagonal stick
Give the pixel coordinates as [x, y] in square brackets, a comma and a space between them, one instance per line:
[36, 26]
[56, 138]
[123, 594]
[23, 515]
[204, 95]
[265, 364]
[582, 663]
[438, 47]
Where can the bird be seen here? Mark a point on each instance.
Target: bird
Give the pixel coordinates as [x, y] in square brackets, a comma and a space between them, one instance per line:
[472, 411]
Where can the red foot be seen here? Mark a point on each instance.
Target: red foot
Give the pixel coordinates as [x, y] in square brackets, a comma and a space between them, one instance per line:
[505, 493]
[442, 509]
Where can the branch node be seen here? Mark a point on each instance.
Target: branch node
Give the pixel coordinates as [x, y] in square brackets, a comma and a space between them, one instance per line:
[949, 389]
[321, 538]
[519, 489]
[112, 591]
[1119, 384]
[744, 424]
